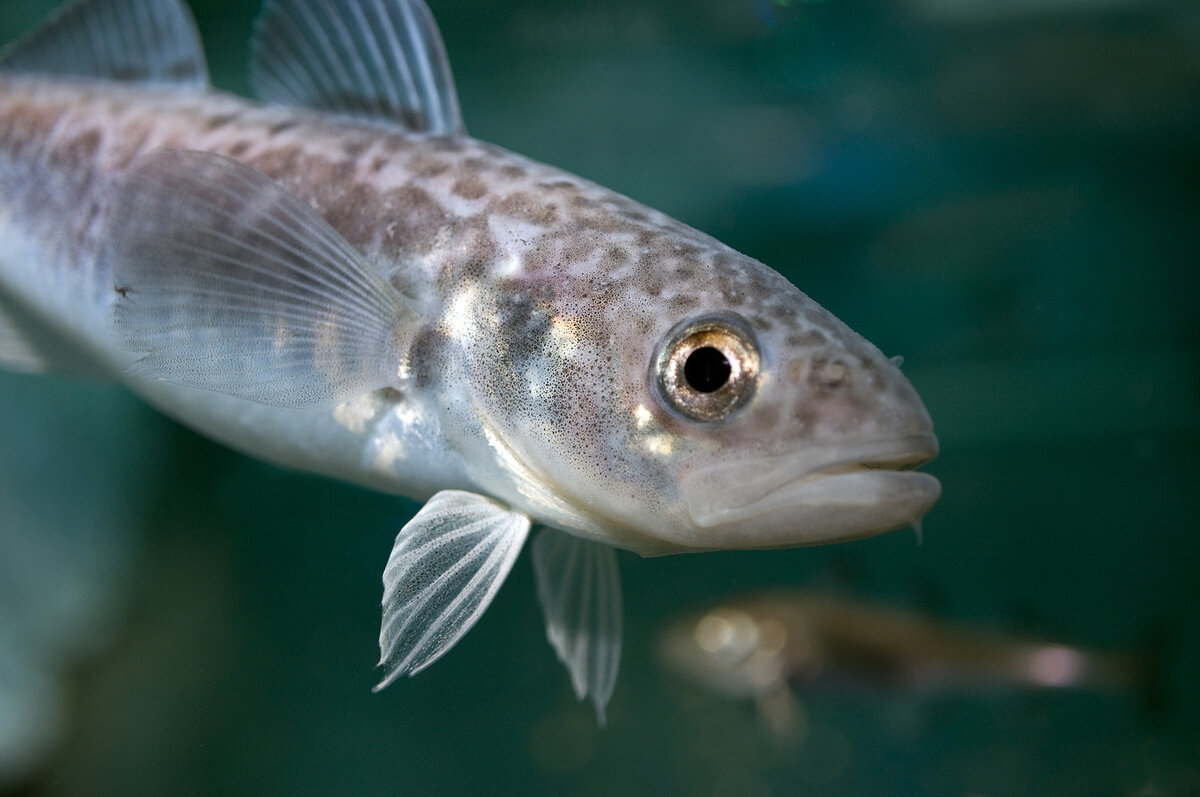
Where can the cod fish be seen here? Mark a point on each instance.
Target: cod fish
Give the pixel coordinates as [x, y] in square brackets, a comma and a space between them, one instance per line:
[761, 645]
[337, 278]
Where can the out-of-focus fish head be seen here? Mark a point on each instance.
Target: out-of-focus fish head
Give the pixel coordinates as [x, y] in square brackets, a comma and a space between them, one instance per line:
[726, 650]
[693, 399]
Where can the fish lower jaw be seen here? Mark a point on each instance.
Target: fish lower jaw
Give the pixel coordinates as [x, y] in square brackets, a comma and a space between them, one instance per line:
[830, 508]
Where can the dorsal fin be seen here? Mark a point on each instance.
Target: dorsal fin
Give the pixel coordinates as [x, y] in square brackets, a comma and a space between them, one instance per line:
[149, 41]
[380, 59]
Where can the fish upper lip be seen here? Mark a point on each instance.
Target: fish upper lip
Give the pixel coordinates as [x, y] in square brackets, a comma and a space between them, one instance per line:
[763, 475]
[730, 494]
[903, 453]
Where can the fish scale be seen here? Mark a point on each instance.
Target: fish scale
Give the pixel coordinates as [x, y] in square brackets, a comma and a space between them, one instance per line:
[337, 278]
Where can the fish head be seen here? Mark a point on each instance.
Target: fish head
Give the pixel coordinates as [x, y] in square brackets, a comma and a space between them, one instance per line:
[685, 397]
[789, 428]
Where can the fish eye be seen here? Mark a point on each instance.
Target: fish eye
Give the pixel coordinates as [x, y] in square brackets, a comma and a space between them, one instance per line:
[707, 368]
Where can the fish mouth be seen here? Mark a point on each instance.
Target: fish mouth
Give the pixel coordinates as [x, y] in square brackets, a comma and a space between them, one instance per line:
[822, 494]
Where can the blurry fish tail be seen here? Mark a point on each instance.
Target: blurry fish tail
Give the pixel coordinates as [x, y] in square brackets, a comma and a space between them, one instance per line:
[1154, 671]
[1143, 672]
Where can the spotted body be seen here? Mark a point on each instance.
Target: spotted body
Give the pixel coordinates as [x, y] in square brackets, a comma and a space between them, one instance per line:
[343, 281]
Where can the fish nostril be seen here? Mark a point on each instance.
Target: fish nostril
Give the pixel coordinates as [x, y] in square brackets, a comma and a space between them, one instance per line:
[796, 370]
[830, 374]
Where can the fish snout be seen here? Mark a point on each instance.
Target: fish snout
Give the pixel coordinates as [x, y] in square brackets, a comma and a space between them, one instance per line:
[835, 397]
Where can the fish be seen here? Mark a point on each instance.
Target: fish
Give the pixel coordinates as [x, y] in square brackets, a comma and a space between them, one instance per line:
[335, 277]
[763, 646]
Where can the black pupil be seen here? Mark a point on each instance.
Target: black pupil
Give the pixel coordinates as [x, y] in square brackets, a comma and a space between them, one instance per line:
[707, 369]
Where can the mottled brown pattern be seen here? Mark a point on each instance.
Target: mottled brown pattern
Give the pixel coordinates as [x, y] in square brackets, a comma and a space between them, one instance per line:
[544, 298]
[218, 121]
[279, 162]
[354, 146]
[527, 208]
[80, 148]
[469, 187]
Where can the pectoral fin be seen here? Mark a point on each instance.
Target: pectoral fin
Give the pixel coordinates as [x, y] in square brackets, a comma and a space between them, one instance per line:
[782, 714]
[445, 568]
[579, 587]
[225, 281]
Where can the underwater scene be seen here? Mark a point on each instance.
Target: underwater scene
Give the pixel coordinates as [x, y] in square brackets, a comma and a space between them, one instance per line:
[1006, 193]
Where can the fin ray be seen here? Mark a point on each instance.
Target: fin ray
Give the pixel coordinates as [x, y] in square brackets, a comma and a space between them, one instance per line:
[444, 570]
[227, 282]
[148, 41]
[579, 587]
[380, 59]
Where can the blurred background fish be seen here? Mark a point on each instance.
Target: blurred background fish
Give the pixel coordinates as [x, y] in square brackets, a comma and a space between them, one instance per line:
[762, 645]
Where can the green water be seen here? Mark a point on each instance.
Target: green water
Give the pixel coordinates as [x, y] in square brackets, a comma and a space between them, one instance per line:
[1007, 194]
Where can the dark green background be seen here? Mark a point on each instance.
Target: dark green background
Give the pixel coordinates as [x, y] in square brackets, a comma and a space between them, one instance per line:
[1006, 193]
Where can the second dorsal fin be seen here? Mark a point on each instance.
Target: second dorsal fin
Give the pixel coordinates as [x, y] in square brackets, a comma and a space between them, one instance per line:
[149, 41]
[380, 59]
